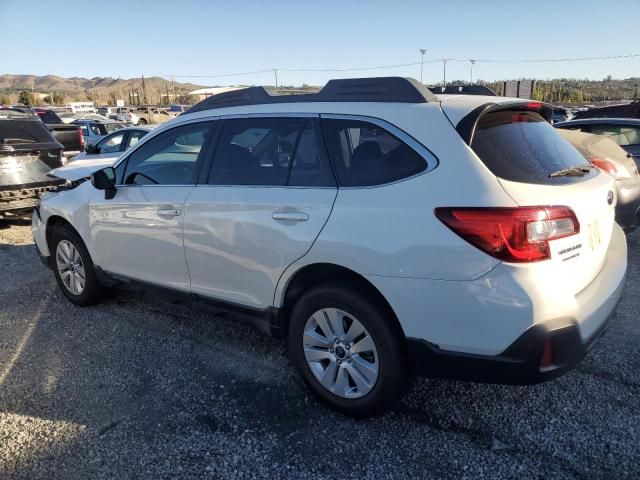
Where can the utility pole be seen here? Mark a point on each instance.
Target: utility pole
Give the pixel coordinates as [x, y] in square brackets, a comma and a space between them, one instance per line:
[144, 90]
[473, 62]
[275, 73]
[444, 72]
[422, 52]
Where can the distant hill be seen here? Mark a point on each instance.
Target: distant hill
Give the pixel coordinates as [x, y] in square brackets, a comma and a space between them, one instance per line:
[102, 90]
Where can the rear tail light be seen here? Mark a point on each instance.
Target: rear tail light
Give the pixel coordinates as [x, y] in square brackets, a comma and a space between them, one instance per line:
[80, 138]
[518, 234]
[607, 166]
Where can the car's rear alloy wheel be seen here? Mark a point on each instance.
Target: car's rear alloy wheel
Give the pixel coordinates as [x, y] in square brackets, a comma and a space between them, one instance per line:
[348, 347]
[341, 353]
[70, 267]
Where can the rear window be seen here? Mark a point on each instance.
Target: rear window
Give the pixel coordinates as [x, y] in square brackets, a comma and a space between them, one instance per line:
[49, 117]
[15, 132]
[522, 147]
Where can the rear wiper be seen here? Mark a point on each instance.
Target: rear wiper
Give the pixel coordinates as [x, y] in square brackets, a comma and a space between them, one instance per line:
[572, 171]
[6, 141]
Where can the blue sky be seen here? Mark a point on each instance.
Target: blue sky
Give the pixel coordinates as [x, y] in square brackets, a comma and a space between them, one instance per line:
[185, 37]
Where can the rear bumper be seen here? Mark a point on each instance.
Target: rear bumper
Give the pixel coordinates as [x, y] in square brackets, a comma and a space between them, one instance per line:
[519, 364]
[628, 203]
[568, 338]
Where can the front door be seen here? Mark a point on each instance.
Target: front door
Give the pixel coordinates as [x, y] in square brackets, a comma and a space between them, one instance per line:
[267, 196]
[138, 233]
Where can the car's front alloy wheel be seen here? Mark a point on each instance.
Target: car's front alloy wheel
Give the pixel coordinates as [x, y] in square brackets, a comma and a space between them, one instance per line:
[74, 268]
[70, 267]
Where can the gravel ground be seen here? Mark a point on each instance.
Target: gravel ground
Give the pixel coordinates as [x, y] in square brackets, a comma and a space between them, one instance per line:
[135, 389]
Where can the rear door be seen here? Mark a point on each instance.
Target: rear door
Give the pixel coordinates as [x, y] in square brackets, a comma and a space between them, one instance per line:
[527, 155]
[267, 196]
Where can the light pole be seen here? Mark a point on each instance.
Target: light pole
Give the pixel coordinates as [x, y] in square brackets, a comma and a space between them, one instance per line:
[422, 52]
[444, 72]
[473, 62]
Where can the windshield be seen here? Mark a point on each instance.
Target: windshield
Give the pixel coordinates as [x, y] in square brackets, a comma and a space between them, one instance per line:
[521, 146]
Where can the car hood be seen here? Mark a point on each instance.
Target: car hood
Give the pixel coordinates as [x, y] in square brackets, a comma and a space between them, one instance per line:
[78, 169]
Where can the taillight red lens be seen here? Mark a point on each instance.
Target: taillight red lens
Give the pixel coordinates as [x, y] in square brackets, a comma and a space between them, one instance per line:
[518, 234]
[606, 165]
[80, 138]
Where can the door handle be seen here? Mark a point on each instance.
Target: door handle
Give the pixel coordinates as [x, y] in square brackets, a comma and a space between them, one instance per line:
[169, 212]
[290, 216]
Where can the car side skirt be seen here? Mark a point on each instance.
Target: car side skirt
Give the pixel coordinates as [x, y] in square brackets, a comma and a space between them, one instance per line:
[267, 320]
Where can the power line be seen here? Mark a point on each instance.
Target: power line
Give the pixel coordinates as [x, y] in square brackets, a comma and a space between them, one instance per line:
[410, 64]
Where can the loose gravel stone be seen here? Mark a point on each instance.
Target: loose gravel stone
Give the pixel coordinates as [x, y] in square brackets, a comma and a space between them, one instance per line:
[134, 388]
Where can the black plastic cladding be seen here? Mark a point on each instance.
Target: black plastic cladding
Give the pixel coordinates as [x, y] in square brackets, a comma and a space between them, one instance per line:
[378, 89]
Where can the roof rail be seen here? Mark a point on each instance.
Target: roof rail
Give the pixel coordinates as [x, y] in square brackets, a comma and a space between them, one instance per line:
[377, 89]
[464, 90]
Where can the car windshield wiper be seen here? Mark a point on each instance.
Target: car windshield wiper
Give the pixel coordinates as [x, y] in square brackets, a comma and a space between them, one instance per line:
[578, 171]
[6, 141]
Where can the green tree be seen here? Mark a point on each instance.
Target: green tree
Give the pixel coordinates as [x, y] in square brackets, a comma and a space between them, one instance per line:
[4, 99]
[26, 98]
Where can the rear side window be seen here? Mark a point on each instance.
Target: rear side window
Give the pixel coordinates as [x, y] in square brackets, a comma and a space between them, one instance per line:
[365, 154]
[522, 147]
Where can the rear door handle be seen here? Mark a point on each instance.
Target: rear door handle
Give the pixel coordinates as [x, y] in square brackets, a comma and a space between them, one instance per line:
[169, 212]
[291, 216]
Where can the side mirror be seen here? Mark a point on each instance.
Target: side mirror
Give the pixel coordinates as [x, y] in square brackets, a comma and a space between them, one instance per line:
[91, 149]
[105, 179]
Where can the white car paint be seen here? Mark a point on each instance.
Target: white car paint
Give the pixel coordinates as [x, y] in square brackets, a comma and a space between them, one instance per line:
[441, 288]
[80, 168]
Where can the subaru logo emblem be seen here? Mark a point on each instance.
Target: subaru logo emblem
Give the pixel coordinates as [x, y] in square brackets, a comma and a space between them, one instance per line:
[610, 197]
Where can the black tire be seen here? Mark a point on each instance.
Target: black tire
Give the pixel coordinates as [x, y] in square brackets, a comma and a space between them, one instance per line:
[142, 121]
[393, 373]
[92, 293]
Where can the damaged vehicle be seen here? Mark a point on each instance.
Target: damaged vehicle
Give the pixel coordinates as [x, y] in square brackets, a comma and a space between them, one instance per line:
[28, 152]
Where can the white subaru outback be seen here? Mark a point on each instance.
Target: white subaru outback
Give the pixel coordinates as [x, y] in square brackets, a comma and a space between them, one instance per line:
[380, 230]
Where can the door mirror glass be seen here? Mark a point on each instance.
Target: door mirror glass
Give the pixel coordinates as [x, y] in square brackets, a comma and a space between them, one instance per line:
[105, 179]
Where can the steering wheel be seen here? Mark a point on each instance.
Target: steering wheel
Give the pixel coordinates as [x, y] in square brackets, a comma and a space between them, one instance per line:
[131, 178]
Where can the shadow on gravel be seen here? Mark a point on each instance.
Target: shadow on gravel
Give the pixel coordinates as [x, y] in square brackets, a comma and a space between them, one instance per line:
[21, 222]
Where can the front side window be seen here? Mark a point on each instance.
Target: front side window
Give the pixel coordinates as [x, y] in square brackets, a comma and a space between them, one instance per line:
[168, 159]
[269, 152]
[111, 144]
[365, 154]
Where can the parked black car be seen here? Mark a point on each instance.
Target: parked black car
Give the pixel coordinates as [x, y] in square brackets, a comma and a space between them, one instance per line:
[624, 131]
[560, 114]
[70, 136]
[28, 152]
[625, 110]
